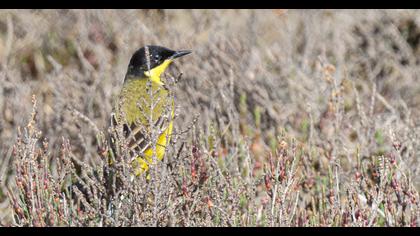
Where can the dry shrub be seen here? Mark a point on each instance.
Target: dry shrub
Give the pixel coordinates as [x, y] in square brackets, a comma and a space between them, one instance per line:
[298, 118]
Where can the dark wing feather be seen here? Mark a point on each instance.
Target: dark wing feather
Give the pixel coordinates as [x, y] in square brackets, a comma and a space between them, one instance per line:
[134, 134]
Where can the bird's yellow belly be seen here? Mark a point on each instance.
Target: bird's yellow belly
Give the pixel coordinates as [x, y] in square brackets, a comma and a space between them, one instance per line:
[162, 141]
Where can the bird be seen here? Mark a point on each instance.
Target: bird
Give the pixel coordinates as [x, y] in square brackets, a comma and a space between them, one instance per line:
[145, 106]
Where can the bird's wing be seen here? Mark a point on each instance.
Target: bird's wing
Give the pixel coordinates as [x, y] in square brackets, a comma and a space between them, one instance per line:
[138, 137]
[131, 135]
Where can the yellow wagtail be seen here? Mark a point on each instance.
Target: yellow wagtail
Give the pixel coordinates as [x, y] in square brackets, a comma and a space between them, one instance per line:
[145, 108]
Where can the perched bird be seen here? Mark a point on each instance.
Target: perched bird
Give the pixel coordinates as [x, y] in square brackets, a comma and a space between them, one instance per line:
[145, 107]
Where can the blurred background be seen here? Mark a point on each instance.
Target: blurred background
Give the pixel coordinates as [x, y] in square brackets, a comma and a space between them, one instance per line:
[343, 82]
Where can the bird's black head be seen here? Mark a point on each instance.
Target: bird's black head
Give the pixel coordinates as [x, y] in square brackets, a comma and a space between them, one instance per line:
[152, 57]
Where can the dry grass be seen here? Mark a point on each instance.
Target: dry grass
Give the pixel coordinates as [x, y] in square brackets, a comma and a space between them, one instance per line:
[290, 118]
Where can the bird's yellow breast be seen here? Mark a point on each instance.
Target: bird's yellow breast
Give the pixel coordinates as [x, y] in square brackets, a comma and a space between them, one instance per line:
[141, 103]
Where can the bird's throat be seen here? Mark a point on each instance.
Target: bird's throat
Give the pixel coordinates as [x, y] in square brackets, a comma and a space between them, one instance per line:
[155, 73]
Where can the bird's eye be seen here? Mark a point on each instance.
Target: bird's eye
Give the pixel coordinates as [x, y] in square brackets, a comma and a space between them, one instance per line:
[157, 58]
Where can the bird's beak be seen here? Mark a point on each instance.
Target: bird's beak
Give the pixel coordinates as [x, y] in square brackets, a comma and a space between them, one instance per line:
[180, 54]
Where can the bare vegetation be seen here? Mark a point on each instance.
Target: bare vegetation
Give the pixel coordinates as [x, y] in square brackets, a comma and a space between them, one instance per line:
[284, 118]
